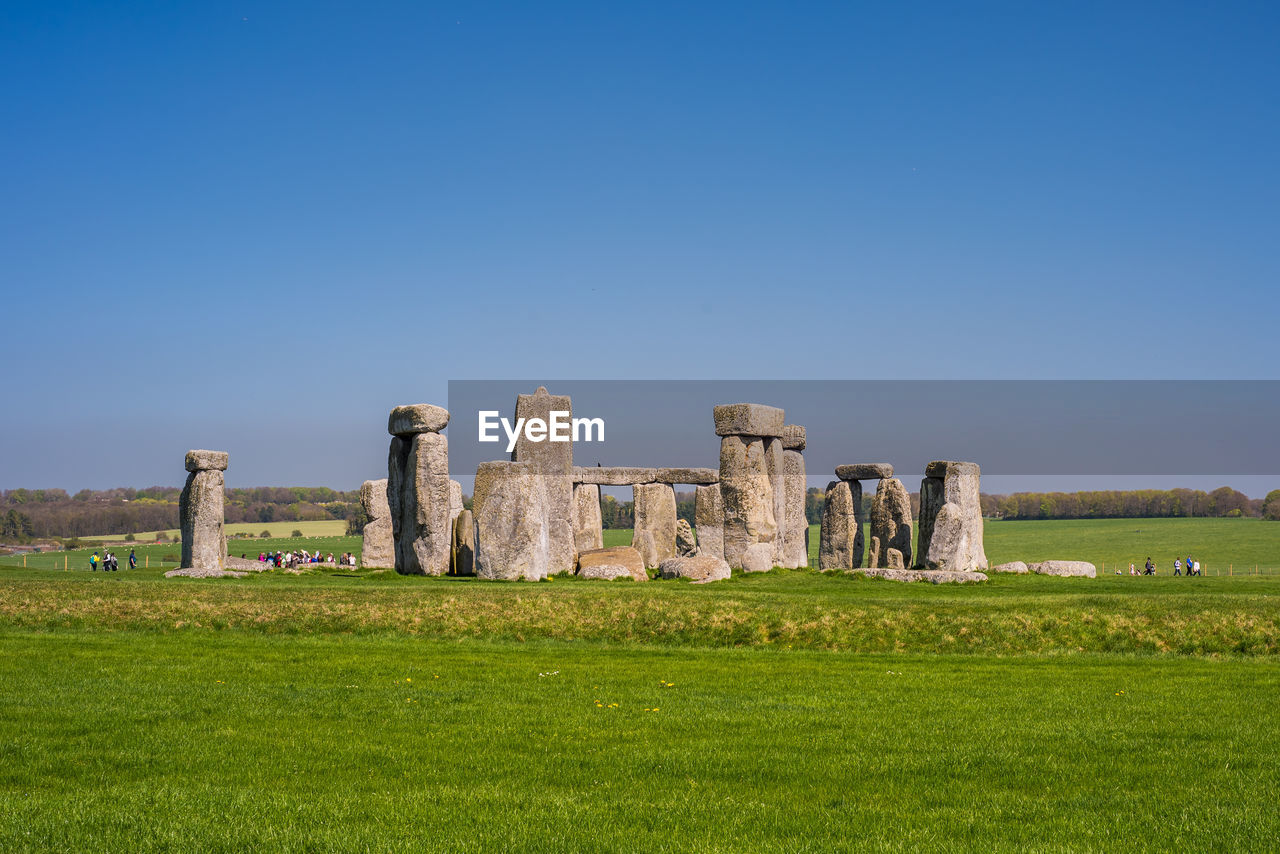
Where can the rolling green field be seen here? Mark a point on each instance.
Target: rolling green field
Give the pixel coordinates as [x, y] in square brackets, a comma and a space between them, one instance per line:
[784, 711]
[278, 530]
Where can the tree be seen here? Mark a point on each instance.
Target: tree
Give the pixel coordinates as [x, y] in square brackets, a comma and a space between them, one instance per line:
[1271, 506]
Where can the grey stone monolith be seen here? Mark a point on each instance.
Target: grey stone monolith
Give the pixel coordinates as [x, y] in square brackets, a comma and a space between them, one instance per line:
[795, 528]
[891, 522]
[511, 522]
[746, 490]
[708, 520]
[950, 536]
[841, 544]
[455, 500]
[378, 549]
[200, 512]
[418, 497]
[588, 533]
[775, 463]
[553, 461]
[464, 543]
[655, 522]
[686, 542]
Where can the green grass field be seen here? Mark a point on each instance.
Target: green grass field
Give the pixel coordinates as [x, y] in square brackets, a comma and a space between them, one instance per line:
[278, 530]
[785, 711]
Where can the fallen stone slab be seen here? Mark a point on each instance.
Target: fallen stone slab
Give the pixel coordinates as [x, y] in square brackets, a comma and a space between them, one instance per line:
[692, 476]
[609, 564]
[1015, 566]
[203, 573]
[865, 471]
[700, 569]
[933, 576]
[1065, 568]
[614, 475]
[244, 564]
[207, 460]
[748, 419]
[417, 418]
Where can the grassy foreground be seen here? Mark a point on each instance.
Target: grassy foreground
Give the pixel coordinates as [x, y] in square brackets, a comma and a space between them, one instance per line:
[240, 741]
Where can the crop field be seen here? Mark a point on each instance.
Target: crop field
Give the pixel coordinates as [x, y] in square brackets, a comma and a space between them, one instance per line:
[276, 530]
[787, 711]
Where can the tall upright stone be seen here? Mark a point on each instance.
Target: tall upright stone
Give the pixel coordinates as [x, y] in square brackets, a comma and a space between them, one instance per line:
[891, 522]
[774, 458]
[795, 524]
[951, 518]
[708, 520]
[418, 492]
[655, 522]
[511, 521]
[553, 461]
[379, 547]
[588, 532]
[747, 493]
[200, 511]
[455, 500]
[464, 544]
[841, 541]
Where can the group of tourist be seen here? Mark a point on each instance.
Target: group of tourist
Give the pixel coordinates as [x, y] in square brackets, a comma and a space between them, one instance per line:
[1192, 567]
[107, 562]
[290, 560]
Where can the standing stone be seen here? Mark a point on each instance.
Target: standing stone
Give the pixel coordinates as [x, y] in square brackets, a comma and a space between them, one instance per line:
[891, 521]
[894, 560]
[455, 500]
[840, 545]
[464, 544]
[686, 543]
[588, 533]
[418, 497]
[655, 516]
[747, 493]
[511, 522]
[708, 519]
[758, 558]
[775, 463]
[873, 551]
[379, 547]
[951, 518]
[554, 463]
[200, 509]
[795, 530]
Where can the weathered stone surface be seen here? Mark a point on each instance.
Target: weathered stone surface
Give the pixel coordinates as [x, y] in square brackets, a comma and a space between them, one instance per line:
[708, 519]
[554, 463]
[379, 548]
[616, 562]
[512, 537]
[795, 526]
[891, 521]
[747, 493]
[695, 476]
[455, 500]
[864, 471]
[417, 418]
[933, 576]
[894, 560]
[951, 518]
[1015, 566]
[748, 419]
[793, 437]
[207, 460]
[1078, 568]
[776, 466]
[873, 552]
[588, 533]
[418, 496]
[614, 475]
[698, 568]
[686, 543]
[655, 515]
[200, 512]
[464, 544]
[840, 543]
[203, 573]
[758, 558]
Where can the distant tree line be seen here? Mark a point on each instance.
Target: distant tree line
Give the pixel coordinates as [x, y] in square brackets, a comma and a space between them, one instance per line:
[40, 513]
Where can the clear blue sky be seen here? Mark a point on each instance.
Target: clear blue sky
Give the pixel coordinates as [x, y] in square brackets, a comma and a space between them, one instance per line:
[257, 227]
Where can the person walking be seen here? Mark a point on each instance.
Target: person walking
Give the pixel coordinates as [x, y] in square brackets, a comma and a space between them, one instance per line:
[133, 560]
[93, 562]
[1150, 568]
[1177, 565]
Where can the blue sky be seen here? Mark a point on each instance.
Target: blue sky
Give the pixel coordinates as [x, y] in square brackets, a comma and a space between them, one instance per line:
[257, 227]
